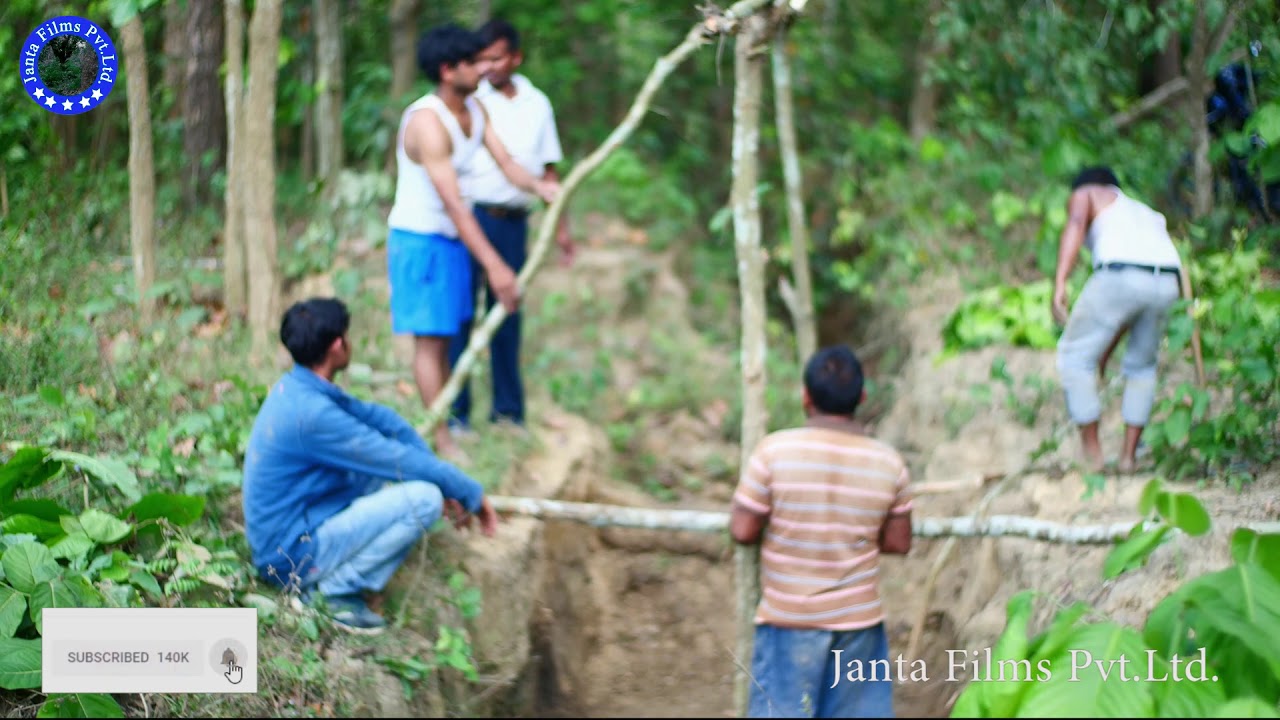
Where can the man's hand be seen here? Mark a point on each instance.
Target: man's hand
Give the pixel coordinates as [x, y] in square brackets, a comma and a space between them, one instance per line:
[567, 249]
[488, 518]
[457, 514]
[548, 190]
[1059, 304]
[504, 285]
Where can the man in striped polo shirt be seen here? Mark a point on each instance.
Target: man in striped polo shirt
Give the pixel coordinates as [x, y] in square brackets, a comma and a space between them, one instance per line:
[827, 500]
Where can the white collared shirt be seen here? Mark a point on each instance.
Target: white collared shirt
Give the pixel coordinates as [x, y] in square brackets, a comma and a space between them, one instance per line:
[526, 124]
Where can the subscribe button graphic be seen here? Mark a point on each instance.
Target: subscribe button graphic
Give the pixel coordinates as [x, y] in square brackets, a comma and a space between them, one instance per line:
[139, 650]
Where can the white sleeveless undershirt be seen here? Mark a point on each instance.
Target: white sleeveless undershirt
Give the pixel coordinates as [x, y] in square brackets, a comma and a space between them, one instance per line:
[1129, 231]
[418, 207]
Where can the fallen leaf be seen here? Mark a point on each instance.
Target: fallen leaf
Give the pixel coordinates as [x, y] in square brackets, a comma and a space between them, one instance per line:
[86, 391]
[715, 413]
[638, 237]
[405, 389]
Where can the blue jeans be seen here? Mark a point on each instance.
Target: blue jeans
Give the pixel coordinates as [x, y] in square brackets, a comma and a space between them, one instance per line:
[361, 547]
[792, 673]
[508, 236]
[1111, 300]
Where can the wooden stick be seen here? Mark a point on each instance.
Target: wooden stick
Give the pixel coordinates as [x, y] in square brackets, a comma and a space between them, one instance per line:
[1185, 278]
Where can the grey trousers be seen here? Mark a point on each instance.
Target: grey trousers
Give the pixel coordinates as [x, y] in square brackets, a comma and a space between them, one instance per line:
[1111, 300]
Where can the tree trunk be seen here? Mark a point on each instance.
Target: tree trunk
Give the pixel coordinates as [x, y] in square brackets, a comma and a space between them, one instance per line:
[923, 111]
[203, 111]
[142, 179]
[234, 279]
[328, 105]
[801, 305]
[175, 52]
[746, 230]
[259, 181]
[1198, 81]
[404, 38]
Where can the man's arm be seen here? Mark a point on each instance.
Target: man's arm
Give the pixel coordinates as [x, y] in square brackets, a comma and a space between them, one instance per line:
[1069, 245]
[563, 238]
[386, 421]
[516, 174]
[337, 439]
[895, 531]
[746, 525]
[430, 148]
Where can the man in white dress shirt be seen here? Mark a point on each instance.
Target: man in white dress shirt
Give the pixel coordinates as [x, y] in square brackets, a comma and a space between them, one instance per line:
[523, 119]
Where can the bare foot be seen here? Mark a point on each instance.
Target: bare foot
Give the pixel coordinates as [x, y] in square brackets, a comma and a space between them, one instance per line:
[1126, 466]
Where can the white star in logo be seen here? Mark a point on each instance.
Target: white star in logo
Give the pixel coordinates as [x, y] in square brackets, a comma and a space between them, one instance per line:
[84, 102]
[39, 92]
[66, 104]
[49, 101]
[97, 94]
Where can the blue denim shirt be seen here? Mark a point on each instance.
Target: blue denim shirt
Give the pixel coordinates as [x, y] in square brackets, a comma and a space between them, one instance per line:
[311, 453]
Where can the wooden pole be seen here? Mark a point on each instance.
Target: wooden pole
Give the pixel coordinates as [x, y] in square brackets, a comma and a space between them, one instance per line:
[748, 72]
[704, 521]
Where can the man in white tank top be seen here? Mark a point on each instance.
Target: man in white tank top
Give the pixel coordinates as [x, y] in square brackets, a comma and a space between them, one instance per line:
[433, 234]
[1134, 284]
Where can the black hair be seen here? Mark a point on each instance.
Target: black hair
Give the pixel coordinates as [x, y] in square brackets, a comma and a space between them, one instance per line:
[1100, 175]
[447, 44]
[310, 327]
[499, 29]
[833, 377]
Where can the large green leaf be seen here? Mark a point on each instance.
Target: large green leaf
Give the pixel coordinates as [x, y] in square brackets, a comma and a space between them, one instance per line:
[1000, 696]
[1244, 601]
[36, 507]
[177, 509]
[12, 606]
[52, 594]
[103, 528]
[1248, 707]
[1076, 687]
[20, 524]
[1186, 699]
[68, 547]
[1133, 552]
[26, 469]
[1166, 627]
[1247, 546]
[1052, 641]
[1183, 511]
[80, 705]
[29, 564]
[19, 664]
[110, 471]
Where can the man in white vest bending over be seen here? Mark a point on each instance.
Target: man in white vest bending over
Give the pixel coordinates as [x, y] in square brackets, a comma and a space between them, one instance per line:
[433, 234]
[1132, 289]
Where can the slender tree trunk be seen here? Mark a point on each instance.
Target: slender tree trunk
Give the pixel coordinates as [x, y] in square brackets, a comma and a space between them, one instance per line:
[175, 52]
[328, 105]
[404, 37]
[235, 287]
[1198, 80]
[259, 182]
[801, 304]
[142, 178]
[923, 111]
[203, 111]
[748, 73]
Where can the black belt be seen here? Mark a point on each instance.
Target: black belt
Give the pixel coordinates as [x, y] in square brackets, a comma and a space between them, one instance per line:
[504, 212]
[1153, 269]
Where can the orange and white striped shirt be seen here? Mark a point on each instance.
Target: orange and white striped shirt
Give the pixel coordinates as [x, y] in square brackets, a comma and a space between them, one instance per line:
[827, 490]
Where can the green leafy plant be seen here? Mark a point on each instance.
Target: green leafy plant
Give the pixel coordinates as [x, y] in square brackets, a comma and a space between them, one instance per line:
[1007, 315]
[53, 557]
[1206, 650]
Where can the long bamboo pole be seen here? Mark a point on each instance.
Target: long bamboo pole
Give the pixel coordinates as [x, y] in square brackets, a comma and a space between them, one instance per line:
[705, 521]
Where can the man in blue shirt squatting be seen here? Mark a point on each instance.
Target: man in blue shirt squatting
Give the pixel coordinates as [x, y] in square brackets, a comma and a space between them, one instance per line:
[337, 490]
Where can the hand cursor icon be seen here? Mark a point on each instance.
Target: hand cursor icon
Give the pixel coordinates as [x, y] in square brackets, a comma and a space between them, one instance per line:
[234, 673]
